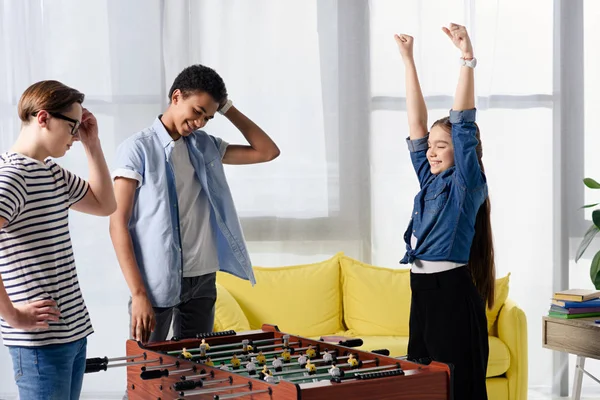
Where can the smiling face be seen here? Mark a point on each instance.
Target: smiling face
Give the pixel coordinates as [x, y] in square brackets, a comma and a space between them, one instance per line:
[440, 152]
[192, 112]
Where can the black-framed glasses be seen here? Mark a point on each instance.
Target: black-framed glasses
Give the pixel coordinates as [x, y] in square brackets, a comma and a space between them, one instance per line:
[75, 123]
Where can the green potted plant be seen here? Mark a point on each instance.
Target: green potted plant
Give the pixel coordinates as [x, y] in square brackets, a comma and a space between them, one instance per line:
[589, 235]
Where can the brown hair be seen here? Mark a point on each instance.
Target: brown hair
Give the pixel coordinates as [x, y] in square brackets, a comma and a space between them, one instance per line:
[481, 260]
[52, 96]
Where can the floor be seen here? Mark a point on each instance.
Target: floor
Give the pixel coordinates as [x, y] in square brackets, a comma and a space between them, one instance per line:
[542, 394]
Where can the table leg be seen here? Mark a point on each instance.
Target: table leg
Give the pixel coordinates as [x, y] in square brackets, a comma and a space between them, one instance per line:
[579, 365]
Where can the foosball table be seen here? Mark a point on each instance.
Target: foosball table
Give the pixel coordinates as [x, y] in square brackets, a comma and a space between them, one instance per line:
[269, 364]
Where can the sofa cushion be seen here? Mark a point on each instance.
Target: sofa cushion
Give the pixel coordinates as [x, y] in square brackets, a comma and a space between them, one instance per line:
[376, 300]
[310, 297]
[228, 313]
[497, 388]
[499, 359]
[500, 296]
[498, 362]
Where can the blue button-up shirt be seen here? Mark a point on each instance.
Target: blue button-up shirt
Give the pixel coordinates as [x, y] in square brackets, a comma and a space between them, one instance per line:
[444, 211]
[154, 222]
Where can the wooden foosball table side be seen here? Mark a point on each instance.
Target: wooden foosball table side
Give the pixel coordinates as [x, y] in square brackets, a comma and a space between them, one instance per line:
[162, 389]
[419, 382]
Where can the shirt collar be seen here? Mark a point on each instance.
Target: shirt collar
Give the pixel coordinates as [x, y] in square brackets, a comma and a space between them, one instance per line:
[161, 131]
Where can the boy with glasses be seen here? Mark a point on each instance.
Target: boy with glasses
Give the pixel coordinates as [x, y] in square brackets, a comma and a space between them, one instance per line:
[43, 318]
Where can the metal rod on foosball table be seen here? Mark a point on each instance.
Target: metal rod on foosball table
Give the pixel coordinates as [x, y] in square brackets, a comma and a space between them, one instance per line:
[152, 368]
[285, 343]
[253, 354]
[193, 384]
[295, 371]
[291, 363]
[159, 373]
[353, 371]
[214, 390]
[255, 351]
[237, 395]
[202, 375]
[158, 360]
[106, 360]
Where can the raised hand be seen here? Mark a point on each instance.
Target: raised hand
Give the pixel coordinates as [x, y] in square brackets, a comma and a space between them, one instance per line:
[459, 36]
[88, 130]
[405, 45]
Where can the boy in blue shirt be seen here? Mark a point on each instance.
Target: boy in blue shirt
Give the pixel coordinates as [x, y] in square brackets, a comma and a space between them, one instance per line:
[176, 224]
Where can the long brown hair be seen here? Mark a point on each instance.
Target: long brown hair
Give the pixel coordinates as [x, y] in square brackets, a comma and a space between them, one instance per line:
[52, 96]
[481, 259]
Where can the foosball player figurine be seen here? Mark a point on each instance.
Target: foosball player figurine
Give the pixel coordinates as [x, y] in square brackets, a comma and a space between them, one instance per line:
[328, 357]
[260, 358]
[246, 347]
[209, 362]
[352, 361]
[264, 372]
[251, 366]
[224, 367]
[203, 350]
[186, 354]
[235, 362]
[286, 340]
[334, 371]
[310, 367]
[203, 343]
[311, 352]
[286, 355]
[270, 378]
[277, 364]
[302, 360]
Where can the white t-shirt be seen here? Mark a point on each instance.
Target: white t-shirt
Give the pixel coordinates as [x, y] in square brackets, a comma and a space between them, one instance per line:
[430, 267]
[197, 238]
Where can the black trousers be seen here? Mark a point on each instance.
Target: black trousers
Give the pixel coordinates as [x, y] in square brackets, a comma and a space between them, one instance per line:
[448, 324]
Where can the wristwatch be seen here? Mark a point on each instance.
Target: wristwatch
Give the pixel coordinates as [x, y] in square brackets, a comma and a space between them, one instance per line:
[226, 107]
[468, 63]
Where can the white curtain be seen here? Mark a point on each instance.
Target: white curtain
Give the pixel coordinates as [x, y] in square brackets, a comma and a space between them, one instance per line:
[324, 79]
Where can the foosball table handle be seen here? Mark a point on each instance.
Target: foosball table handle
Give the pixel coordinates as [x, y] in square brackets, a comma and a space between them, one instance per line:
[383, 352]
[96, 360]
[187, 385]
[158, 373]
[351, 343]
[89, 368]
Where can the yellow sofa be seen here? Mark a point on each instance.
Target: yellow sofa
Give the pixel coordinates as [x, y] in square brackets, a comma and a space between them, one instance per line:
[342, 296]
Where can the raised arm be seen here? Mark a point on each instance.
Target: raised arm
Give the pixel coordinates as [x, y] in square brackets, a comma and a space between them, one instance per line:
[415, 103]
[261, 147]
[100, 198]
[416, 110]
[464, 98]
[462, 115]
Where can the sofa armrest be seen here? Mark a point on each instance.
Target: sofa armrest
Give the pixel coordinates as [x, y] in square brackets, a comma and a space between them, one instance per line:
[512, 330]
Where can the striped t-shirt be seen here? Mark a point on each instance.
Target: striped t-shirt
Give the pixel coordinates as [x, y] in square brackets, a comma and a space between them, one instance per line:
[36, 256]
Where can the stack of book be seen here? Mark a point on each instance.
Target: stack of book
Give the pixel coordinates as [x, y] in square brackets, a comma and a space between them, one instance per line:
[575, 303]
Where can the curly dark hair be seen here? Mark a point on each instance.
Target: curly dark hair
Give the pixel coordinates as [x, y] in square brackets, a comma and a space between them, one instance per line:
[199, 78]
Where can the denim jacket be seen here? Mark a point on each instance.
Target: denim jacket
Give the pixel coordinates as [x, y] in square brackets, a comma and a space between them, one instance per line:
[444, 211]
[154, 223]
